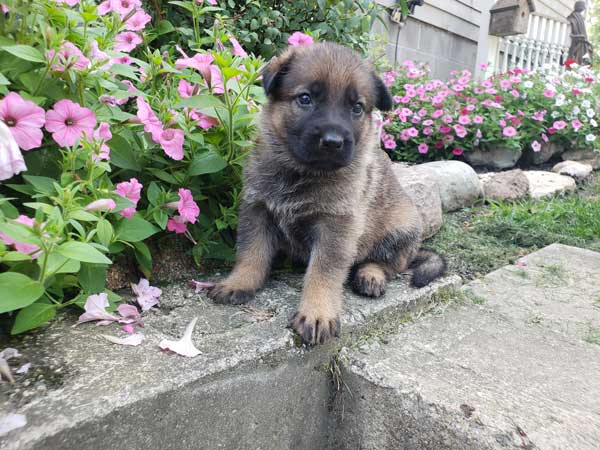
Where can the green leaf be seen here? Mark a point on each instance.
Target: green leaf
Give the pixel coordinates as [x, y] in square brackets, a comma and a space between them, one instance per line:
[204, 103]
[123, 70]
[144, 258]
[161, 218]
[92, 277]
[105, 232]
[208, 162]
[45, 207]
[82, 252]
[20, 233]
[33, 316]
[122, 154]
[164, 27]
[153, 193]
[59, 264]
[43, 185]
[3, 80]
[25, 52]
[85, 216]
[15, 256]
[135, 229]
[121, 203]
[18, 291]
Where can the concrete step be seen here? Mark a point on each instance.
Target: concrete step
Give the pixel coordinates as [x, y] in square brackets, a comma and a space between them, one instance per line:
[515, 365]
[251, 388]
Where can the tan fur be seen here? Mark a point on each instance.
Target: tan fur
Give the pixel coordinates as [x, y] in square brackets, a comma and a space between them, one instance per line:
[355, 216]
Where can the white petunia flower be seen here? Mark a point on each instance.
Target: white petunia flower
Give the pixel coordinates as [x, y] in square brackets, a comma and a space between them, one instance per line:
[576, 110]
[528, 84]
[593, 122]
[591, 113]
[586, 104]
[590, 138]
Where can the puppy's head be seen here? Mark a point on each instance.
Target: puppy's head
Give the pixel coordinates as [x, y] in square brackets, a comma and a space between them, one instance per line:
[320, 101]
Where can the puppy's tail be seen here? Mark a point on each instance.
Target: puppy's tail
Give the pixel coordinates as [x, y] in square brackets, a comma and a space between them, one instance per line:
[426, 267]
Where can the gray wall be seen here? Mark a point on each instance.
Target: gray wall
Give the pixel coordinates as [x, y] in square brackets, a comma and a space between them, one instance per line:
[450, 34]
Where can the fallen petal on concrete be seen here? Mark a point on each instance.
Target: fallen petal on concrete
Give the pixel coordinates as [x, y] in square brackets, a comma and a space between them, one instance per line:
[184, 346]
[133, 340]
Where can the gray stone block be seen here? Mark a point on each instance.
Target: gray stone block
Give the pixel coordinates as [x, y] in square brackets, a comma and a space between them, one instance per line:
[515, 370]
[250, 388]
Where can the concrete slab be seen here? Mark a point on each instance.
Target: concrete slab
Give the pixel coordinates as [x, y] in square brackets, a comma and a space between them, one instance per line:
[250, 388]
[510, 368]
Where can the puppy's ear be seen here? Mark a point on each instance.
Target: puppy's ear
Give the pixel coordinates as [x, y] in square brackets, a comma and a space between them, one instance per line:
[383, 98]
[274, 72]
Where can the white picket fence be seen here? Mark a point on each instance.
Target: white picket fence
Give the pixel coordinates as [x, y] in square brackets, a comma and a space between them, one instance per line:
[543, 46]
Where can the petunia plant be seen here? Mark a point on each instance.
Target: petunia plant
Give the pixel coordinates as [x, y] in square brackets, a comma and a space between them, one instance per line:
[110, 139]
[518, 110]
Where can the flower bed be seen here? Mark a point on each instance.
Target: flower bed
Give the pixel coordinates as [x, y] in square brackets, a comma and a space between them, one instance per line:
[108, 138]
[519, 111]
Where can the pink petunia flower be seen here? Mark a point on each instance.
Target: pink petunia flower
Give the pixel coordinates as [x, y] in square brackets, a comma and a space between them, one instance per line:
[509, 132]
[185, 89]
[549, 93]
[151, 123]
[124, 7]
[68, 57]
[457, 151]
[210, 2]
[103, 204]
[464, 120]
[298, 38]
[204, 121]
[536, 146]
[237, 48]
[11, 158]
[171, 141]
[102, 134]
[576, 123]
[478, 119]
[138, 21]
[24, 120]
[127, 41]
[559, 125]
[68, 121]
[104, 8]
[95, 309]
[545, 137]
[147, 296]
[200, 61]
[177, 224]
[131, 190]
[539, 115]
[187, 207]
[423, 148]
[460, 131]
[100, 57]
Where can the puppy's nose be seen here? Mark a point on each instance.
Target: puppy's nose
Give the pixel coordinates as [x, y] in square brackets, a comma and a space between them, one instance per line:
[332, 140]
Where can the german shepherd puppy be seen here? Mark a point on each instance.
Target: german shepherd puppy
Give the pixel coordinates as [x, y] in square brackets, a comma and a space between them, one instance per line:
[319, 187]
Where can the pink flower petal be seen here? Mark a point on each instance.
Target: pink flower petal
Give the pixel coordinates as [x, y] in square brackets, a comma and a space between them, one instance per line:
[133, 339]
[95, 309]
[201, 285]
[184, 346]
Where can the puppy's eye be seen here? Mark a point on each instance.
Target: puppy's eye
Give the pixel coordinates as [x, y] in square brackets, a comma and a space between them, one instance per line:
[304, 100]
[358, 109]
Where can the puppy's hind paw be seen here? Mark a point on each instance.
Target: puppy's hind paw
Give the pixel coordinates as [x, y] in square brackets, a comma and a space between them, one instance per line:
[225, 295]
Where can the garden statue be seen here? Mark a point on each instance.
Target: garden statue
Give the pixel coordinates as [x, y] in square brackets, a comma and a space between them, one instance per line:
[580, 50]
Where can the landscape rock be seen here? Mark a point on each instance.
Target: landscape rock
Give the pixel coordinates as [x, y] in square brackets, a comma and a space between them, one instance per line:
[545, 184]
[573, 169]
[495, 158]
[425, 192]
[590, 157]
[458, 182]
[505, 186]
[515, 365]
[547, 151]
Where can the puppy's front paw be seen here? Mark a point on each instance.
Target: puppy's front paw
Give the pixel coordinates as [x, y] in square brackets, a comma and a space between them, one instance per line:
[225, 294]
[315, 327]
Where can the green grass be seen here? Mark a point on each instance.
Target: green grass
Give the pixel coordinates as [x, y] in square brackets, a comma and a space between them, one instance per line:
[479, 240]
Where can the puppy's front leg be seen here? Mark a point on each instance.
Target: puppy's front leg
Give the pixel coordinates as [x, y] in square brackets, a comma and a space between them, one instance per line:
[317, 319]
[256, 247]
